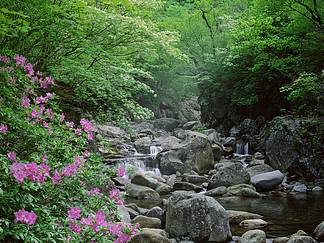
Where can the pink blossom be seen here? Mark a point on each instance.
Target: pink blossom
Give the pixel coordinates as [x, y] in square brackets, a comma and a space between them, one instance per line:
[86, 154]
[121, 171]
[25, 101]
[70, 124]
[75, 227]
[101, 218]
[31, 171]
[90, 136]
[49, 96]
[12, 156]
[45, 124]
[78, 131]
[62, 117]
[41, 109]
[29, 69]
[74, 213]
[25, 217]
[93, 191]
[45, 83]
[34, 113]
[20, 60]
[56, 177]
[114, 193]
[87, 125]
[87, 221]
[3, 128]
[4, 59]
[40, 100]
[120, 202]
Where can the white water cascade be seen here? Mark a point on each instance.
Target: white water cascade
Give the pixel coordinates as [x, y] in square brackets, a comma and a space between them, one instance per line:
[242, 149]
[154, 150]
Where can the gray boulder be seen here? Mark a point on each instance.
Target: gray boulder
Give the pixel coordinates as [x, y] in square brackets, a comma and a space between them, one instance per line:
[267, 181]
[155, 212]
[147, 222]
[195, 179]
[196, 216]
[143, 180]
[167, 124]
[110, 131]
[254, 236]
[253, 223]
[189, 125]
[228, 174]
[259, 169]
[141, 192]
[319, 232]
[143, 145]
[186, 186]
[301, 239]
[217, 192]
[236, 217]
[299, 187]
[150, 235]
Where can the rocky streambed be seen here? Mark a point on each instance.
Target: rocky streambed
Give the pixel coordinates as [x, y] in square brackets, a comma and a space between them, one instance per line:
[189, 186]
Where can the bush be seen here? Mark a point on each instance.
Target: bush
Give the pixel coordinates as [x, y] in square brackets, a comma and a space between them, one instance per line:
[51, 187]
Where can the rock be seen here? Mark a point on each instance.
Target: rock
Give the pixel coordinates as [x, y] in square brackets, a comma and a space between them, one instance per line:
[253, 223]
[258, 155]
[317, 189]
[196, 216]
[155, 212]
[301, 239]
[236, 217]
[139, 127]
[123, 212]
[133, 206]
[195, 179]
[170, 163]
[186, 186]
[163, 189]
[167, 124]
[235, 190]
[189, 125]
[229, 174]
[216, 192]
[230, 142]
[280, 240]
[143, 145]
[255, 162]
[254, 236]
[267, 181]
[143, 180]
[148, 235]
[247, 192]
[234, 132]
[121, 181]
[132, 212]
[171, 180]
[300, 188]
[214, 137]
[189, 109]
[147, 222]
[110, 131]
[319, 232]
[259, 169]
[217, 151]
[248, 126]
[141, 192]
[169, 142]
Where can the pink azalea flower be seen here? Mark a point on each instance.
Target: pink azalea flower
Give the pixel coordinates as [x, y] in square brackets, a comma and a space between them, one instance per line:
[78, 131]
[114, 193]
[86, 154]
[4, 59]
[74, 213]
[93, 191]
[101, 218]
[45, 124]
[56, 177]
[29, 69]
[25, 101]
[34, 113]
[75, 227]
[90, 136]
[3, 128]
[87, 125]
[70, 124]
[121, 171]
[20, 60]
[12, 156]
[87, 221]
[62, 117]
[25, 217]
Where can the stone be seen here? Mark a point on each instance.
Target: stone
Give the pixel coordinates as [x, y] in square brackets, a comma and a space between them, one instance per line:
[148, 235]
[253, 223]
[228, 174]
[259, 169]
[301, 239]
[167, 124]
[254, 236]
[163, 189]
[236, 217]
[195, 179]
[280, 240]
[248, 126]
[169, 142]
[189, 125]
[110, 131]
[143, 180]
[255, 162]
[216, 192]
[143, 144]
[121, 181]
[317, 189]
[235, 190]
[302, 188]
[247, 192]
[186, 186]
[319, 232]
[141, 192]
[147, 222]
[132, 212]
[258, 155]
[199, 217]
[267, 181]
[218, 151]
[123, 212]
[155, 212]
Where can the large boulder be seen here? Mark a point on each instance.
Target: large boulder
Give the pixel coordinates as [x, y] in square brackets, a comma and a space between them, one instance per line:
[228, 174]
[259, 169]
[189, 110]
[301, 239]
[254, 236]
[319, 232]
[143, 145]
[143, 180]
[199, 217]
[110, 131]
[267, 181]
[167, 124]
[195, 153]
[141, 192]
[151, 236]
[186, 186]
[169, 142]
[236, 217]
[253, 223]
[147, 222]
[248, 126]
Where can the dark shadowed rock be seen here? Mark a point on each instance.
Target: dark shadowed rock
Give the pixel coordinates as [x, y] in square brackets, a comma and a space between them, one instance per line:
[267, 181]
[147, 222]
[319, 232]
[167, 124]
[143, 145]
[186, 186]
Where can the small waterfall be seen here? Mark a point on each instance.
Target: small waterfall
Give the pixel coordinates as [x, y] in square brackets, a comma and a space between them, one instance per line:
[154, 150]
[242, 149]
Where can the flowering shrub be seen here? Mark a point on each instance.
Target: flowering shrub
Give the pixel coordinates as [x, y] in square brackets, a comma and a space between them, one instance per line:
[52, 188]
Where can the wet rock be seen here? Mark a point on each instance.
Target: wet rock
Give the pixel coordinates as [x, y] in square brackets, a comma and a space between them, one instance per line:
[147, 222]
[196, 216]
[163, 189]
[213, 136]
[148, 235]
[143, 180]
[301, 239]
[139, 127]
[235, 190]
[317, 189]
[236, 217]
[186, 186]
[230, 142]
[141, 192]
[143, 145]
[259, 169]
[195, 179]
[267, 181]
[319, 232]
[216, 192]
[170, 142]
[254, 236]
[253, 223]
[167, 124]
[280, 240]
[247, 192]
[248, 126]
[217, 151]
[156, 212]
[300, 188]
[121, 181]
[171, 180]
[228, 174]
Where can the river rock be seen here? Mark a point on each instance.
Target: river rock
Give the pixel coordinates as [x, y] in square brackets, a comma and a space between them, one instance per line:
[317, 189]
[189, 125]
[236, 190]
[300, 188]
[169, 142]
[248, 126]
[195, 179]
[143, 145]
[155, 212]
[150, 235]
[253, 223]
[217, 192]
[132, 212]
[110, 131]
[267, 181]
[167, 124]
[319, 232]
[280, 240]
[301, 239]
[247, 192]
[255, 162]
[236, 217]
[217, 151]
[163, 189]
[143, 180]
[141, 192]
[197, 216]
[186, 186]
[228, 174]
[259, 169]
[258, 155]
[147, 222]
[254, 236]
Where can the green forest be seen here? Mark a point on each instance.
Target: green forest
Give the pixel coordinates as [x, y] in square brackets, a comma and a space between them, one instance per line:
[66, 65]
